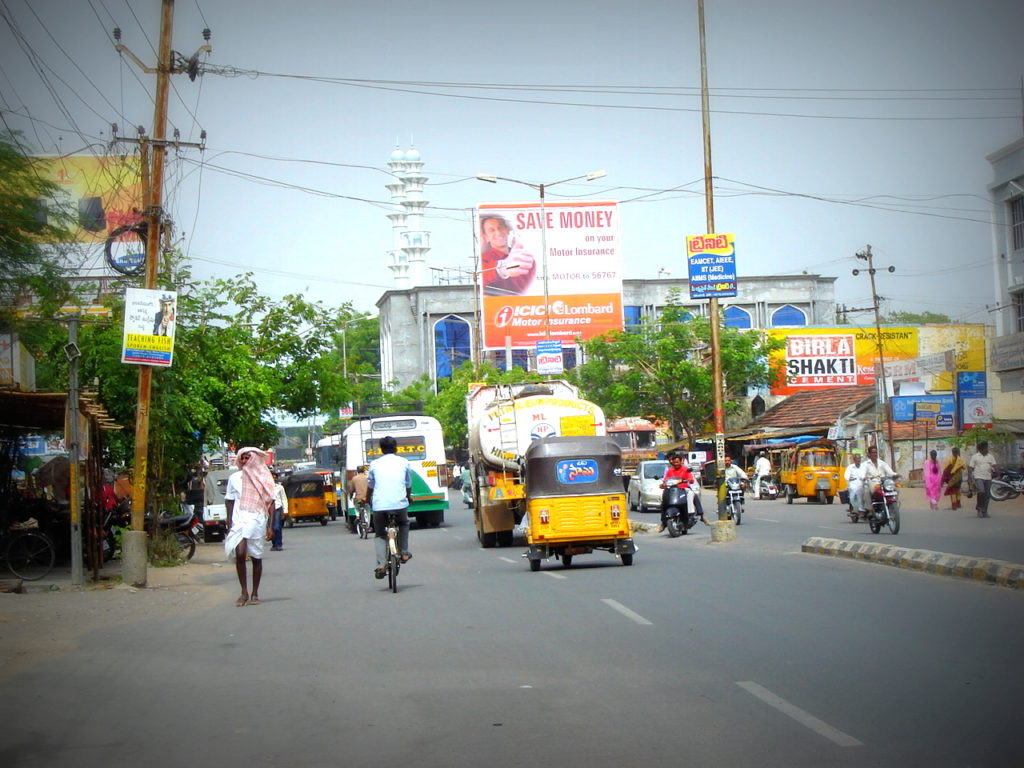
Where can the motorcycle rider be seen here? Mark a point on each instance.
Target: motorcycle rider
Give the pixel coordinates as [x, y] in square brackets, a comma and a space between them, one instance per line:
[678, 470]
[874, 470]
[762, 468]
[731, 470]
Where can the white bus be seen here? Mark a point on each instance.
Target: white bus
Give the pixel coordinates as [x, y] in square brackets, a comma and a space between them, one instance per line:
[420, 440]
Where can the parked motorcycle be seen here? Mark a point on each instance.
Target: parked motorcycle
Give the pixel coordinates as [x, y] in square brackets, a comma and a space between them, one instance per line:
[679, 516]
[767, 488]
[187, 530]
[734, 499]
[1009, 485]
[885, 506]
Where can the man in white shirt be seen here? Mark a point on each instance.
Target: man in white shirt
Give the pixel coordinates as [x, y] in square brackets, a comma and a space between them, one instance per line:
[874, 470]
[854, 484]
[390, 488]
[981, 468]
[762, 468]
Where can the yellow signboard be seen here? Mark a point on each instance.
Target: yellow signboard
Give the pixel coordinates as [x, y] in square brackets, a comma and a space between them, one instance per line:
[577, 425]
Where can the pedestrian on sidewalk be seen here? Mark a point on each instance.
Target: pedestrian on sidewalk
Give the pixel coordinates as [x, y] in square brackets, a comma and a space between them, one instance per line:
[981, 469]
[932, 479]
[280, 510]
[251, 490]
[953, 477]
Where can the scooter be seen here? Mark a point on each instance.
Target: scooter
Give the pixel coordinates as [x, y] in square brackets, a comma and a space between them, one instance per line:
[679, 517]
[734, 499]
[1009, 485]
[885, 506]
[767, 489]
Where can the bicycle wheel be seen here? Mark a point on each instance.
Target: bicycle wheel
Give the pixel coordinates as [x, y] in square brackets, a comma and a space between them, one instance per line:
[393, 565]
[30, 555]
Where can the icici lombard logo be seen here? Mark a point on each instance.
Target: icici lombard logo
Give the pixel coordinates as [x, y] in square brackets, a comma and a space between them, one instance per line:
[533, 314]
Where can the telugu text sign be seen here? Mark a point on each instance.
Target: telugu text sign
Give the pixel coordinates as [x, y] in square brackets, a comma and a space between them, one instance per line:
[711, 261]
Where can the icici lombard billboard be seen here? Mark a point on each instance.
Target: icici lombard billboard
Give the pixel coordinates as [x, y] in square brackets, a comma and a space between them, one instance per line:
[577, 242]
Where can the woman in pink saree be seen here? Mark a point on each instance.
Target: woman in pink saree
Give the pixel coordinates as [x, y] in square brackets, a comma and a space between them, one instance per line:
[932, 480]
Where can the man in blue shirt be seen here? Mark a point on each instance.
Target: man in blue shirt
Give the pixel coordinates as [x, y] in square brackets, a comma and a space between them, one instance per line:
[390, 485]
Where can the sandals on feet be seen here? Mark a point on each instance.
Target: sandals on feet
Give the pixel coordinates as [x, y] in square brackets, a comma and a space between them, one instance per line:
[241, 601]
[406, 558]
[378, 572]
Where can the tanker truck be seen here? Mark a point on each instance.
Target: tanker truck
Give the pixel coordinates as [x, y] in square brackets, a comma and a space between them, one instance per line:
[503, 419]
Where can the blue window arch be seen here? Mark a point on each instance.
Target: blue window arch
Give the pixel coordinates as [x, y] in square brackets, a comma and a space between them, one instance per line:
[452, 345]
[735, 317]
[788, 315]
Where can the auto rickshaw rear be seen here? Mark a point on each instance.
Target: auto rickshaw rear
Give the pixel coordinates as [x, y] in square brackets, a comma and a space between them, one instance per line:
[811, 470]
[306, 499]
[574, 500]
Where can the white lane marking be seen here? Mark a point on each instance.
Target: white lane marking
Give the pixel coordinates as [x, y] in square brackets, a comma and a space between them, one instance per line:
[632, 615]
[554, 574]
[805, 719]
[766, 520]
[508, 560]
[829, 528]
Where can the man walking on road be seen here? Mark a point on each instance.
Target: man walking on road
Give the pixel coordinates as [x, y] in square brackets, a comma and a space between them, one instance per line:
[981, 469]
[390, 488]
[249, 499]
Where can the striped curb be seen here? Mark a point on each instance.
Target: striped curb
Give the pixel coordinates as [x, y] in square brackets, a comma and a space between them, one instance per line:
[997, 572]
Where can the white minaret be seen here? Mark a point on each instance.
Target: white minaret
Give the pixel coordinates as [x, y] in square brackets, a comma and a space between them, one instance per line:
[410, 241]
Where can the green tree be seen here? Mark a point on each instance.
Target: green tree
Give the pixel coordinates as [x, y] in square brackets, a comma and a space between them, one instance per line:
[238, 357]
[916, 318]
[663, 369]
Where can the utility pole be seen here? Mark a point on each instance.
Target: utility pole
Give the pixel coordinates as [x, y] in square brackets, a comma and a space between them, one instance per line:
[883, 397]
[135, 549]
[713, 310]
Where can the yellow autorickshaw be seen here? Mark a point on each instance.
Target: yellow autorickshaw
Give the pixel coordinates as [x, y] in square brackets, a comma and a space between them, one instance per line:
[306, 499]
[574, 500]
[330, 492]
[811, 470]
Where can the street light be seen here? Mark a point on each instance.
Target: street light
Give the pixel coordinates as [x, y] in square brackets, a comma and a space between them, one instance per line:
[543, 227]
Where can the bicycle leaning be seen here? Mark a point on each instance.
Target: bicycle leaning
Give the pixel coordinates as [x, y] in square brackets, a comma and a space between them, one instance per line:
[28, 552]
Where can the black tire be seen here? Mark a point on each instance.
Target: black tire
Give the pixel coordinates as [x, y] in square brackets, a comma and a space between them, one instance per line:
[894, 518]
[393, 571]
[874, 526]
[323, 521]
[487, 540]
[830, 499]
[535, 565]
[789, 494]
[566, 560]
[30, 555]
[187, 545]
[854, 516]
[1000, 491]
[632, 507]
[737, 513]
[627, 559]
[675, 526]
[504, 538]
[291, 523]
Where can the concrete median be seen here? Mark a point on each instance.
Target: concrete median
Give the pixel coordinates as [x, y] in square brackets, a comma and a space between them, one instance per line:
[997, 572]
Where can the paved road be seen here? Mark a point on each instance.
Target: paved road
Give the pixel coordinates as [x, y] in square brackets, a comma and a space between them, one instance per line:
[709, 654]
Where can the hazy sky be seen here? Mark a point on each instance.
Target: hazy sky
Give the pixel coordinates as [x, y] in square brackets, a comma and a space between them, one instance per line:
[834, 125]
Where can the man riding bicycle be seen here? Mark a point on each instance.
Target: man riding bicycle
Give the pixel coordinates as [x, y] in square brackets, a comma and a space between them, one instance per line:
[390, 492]
[359, 491]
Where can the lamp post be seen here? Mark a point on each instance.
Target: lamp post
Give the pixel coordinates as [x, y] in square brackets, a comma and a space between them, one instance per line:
[543, 228]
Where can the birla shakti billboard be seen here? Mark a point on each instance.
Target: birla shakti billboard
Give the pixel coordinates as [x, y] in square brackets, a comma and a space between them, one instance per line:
[847, 355]
[584, 271]
[838, 357]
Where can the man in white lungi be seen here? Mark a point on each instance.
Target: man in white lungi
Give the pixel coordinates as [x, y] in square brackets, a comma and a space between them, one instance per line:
[249, 499]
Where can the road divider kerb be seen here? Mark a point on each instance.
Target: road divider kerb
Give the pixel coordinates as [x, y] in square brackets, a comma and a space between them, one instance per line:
[998, 572]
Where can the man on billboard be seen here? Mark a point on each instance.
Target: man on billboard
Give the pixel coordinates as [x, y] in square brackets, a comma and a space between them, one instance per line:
[506, 267]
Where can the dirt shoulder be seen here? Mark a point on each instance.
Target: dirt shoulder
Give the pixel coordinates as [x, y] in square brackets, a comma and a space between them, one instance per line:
[39, 624]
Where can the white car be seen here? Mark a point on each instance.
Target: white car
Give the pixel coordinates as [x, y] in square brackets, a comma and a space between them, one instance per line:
[215, 513]
[643, 492]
